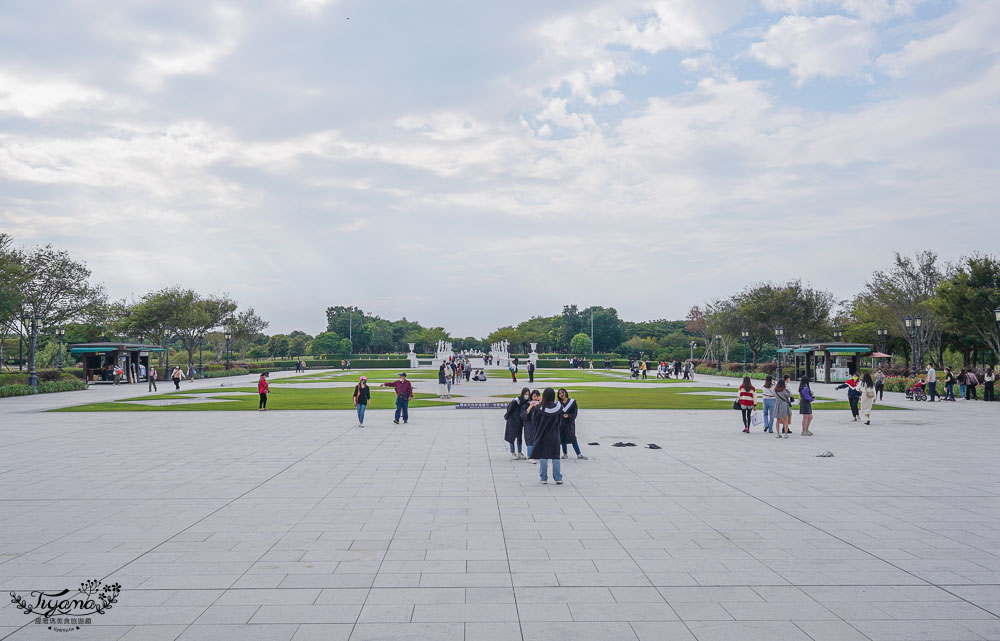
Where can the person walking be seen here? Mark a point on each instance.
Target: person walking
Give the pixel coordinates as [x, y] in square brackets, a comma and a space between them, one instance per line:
[177, 375]
[514, 429]
[361, 397]
[769, 402]
[971, 381]
[547, 418]
[449, 379]
[642, 368]
[151, 378]
[853, 394]
[783, 408]
[513, 372]
[527, 420]
[747, 399]
[531, 372]
[404, 394]
[867, 397]
[949, 385]
[190, 372]
[567, 427]
[931, 383]
[879, 383]
[805, 405]
[961, 384]
[442, 382]
[989, 379]
[263, 388]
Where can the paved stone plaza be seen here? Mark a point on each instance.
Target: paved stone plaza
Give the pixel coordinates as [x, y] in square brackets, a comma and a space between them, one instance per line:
[300, 525]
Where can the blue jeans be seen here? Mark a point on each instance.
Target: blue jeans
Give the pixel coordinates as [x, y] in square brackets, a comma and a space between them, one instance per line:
[768, 414]
[961, 390]
[402, 408]
[543, 469]
[361, 413]
[529, 451]
[949, 391]
[518, 440]
[576, 447]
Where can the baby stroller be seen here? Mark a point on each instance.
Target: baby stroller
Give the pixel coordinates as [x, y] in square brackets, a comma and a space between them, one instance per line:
[916, 393]
[634, 372]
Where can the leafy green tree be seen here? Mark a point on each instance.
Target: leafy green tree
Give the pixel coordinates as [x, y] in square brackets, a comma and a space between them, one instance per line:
[245, 327]
[345, 347]
[299, 343]
[648, 346]
[967, 298]
[580, 344]
[325, 343]
[279, 345]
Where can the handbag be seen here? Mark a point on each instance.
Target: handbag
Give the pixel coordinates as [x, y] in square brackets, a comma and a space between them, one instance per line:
[756, 418]
[736, 405]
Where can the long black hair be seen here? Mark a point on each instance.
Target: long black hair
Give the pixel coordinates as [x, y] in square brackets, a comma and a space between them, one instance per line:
[548, 396]
[867, 380]
[803, 383]
[525, 390]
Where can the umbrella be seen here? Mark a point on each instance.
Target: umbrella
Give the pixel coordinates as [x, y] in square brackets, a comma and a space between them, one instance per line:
[880, 355]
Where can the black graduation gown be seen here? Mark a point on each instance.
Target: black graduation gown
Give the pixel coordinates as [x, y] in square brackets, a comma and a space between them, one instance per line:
[514, 421]
[547, 420]
[567, 426]
[527, 423]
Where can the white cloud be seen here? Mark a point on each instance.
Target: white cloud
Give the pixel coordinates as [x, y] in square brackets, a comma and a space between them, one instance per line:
[39, 96]
[809, 47]
[867, 10]
[972, 29]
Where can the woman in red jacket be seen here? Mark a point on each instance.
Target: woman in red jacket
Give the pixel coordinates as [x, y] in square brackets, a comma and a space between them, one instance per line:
[748, 401]
[262, 389]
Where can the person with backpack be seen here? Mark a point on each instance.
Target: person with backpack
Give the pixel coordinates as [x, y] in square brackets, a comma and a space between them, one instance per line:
[263, 388]
[361, 397]
[853, 394]
[514, 429]
[513, 372]
[971, 381]
[747, 399]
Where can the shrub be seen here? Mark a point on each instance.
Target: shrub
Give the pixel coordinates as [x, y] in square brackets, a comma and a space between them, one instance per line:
[733, 367]
[61, 386]
[16, 389]
[236, 371]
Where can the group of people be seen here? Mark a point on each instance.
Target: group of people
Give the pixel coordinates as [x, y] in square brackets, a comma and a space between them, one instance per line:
[967, 381]
[544, 422]
[404, 394]
[777, 401]
[451, 372]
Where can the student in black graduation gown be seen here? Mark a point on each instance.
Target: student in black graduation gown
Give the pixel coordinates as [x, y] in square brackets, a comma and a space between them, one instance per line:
[567, 427]
[547, 418]
[528, 423]
[513, 432]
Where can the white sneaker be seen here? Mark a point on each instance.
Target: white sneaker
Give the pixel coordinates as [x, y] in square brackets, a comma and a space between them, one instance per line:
[513, 456]
[533, 461]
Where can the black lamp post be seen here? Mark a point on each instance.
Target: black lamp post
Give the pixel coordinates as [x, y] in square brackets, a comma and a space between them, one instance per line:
[693, 345]
[201, 366]
[779, 335]
[883, 333]
[912, 331]
[34, 326]
[60, 333]
[916, 339]
[838, 335]
[718, 357]
[746, 335]
[228, 336]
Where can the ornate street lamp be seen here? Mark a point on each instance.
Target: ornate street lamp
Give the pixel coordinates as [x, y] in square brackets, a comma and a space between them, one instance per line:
[838, 335]
[201, 366]
[996, 316]
[60, 333]
[229, 337]
[883, 333]
[34, 327]
[745, 335]
[912, 331]
[693, 345]
[718, 357]
[779, 335]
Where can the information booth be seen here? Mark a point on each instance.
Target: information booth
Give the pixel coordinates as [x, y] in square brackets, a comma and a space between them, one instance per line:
[101, 359]
[826, 362]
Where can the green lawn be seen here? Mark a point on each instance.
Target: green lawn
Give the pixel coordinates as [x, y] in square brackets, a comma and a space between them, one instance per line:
[374, 376]
[639, 398]
[278, 399]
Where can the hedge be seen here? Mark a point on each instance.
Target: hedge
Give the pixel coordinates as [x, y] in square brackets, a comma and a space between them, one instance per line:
[44, 387]
[236, 371]
[44, 376]
[16, 389]
[356, 363]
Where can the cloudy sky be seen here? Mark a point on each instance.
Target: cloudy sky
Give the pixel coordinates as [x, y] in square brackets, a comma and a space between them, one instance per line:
[470, 164]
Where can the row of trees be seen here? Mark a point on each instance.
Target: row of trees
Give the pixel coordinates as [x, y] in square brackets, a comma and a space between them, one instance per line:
[954, 301]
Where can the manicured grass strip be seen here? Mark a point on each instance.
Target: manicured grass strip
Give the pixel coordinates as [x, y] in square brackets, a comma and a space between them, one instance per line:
[282, 399]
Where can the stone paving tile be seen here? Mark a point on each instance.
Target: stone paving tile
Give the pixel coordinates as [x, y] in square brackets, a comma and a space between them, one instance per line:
[300, 525]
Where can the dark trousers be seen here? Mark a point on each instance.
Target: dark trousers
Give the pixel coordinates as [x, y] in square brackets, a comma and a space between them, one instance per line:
[263, 401]
[152, 384]
[402, 408]
[747, 413]
[932, 391]
[531, 376]
[970, 393]
[949, 391]
[988, 391]
[879, 387]
[853, 400]
[177, 383]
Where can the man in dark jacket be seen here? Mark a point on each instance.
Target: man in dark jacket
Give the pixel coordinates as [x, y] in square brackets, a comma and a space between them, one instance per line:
[404, 394]
[531, 372]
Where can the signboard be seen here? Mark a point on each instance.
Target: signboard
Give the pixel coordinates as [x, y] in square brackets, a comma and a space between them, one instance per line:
[480, 406]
